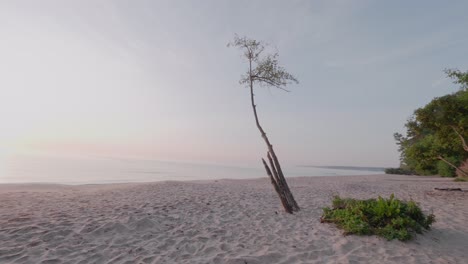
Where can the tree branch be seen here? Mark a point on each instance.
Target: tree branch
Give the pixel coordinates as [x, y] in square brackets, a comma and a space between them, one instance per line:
[453, 166]
[270, 82]
[465, 147]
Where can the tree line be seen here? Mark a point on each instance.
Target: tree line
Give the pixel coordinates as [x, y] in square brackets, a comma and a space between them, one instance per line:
[435, 140]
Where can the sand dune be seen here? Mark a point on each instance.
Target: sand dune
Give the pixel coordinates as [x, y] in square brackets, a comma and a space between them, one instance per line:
[225, 221]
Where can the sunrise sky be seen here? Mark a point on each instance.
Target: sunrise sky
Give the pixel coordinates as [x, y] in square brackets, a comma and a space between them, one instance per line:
[155, 79]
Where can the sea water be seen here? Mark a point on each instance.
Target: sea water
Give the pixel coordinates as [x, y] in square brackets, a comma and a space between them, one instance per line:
[99, 170]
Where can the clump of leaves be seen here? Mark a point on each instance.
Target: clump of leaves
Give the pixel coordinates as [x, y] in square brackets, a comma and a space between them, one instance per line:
[390, 218]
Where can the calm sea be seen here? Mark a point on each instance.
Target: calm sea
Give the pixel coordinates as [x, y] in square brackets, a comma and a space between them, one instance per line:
[82, 170]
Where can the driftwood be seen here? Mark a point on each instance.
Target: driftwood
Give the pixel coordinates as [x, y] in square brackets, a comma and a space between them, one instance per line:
[449, 189]
[286, 206]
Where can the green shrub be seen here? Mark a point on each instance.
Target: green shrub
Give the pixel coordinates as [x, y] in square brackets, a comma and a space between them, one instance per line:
[390, 218]
[400, 171]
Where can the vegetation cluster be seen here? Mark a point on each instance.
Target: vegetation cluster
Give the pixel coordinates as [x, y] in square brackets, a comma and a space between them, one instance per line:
[390, 218]
[399, 171]
[435, 135]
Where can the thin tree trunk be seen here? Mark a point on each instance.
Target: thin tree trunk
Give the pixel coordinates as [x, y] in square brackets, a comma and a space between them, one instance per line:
[284, 193]
[284, 202]
[282, 182]
[465, 147]
[453, 166]
[276, 174]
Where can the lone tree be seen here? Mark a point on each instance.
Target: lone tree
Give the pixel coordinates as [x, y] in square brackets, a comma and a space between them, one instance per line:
[265, 71]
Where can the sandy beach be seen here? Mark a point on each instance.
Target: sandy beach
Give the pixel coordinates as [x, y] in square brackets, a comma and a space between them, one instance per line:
[220, 221]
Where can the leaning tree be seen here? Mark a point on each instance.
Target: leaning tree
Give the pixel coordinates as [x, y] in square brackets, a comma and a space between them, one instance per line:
[263, 69]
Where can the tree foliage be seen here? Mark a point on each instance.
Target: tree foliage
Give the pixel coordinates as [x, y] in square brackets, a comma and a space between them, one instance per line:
[264, 68]
[459, 77]
[435, 135]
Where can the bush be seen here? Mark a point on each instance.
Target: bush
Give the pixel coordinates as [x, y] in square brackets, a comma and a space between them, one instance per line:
[399, 171]
[389, 218]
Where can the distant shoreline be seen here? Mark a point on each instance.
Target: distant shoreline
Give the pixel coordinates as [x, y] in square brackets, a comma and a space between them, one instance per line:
[357, 168]
[6, 185]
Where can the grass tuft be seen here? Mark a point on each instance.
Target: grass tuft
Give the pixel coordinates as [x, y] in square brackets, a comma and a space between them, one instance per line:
[389, 218]
[458, 179]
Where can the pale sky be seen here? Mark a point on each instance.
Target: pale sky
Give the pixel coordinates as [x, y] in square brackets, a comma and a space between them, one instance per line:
[155, 79]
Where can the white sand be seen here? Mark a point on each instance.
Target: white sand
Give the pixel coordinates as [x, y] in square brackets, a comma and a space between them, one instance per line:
[226, 221]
